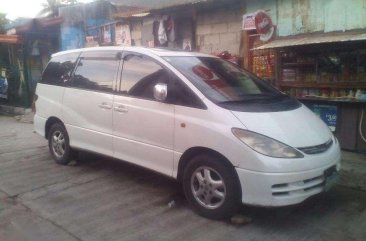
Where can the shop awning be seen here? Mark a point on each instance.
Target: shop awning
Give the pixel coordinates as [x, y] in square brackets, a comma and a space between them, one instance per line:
[157, 4]
[10, 39]
[40, 23]
[128, 11]
[313, 39]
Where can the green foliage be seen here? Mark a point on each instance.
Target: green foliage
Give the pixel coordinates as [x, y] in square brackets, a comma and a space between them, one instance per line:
[50, 7]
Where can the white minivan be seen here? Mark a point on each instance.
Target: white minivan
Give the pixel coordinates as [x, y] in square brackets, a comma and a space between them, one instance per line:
[226, 135]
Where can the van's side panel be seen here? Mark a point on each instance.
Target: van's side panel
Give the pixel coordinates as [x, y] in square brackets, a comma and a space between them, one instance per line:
[88, 102]
[143, 133]
[49, 104]
[88, 123]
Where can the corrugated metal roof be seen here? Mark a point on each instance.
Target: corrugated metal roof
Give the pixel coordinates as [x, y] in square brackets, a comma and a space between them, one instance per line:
[44, 22]
[155, 4]
[313, 39]
[128, 11]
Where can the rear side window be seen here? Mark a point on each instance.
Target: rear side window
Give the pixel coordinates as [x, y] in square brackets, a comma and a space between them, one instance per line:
[95, 74]
[59, 69]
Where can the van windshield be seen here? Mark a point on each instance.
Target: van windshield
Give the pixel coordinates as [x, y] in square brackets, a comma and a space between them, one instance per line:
[231, 87]
[223, 82]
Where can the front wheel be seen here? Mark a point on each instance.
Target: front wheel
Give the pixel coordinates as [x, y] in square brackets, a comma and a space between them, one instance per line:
[211, 187]
[58, 143]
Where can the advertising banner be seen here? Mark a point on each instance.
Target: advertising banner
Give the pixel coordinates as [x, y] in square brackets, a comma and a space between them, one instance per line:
[249, 21]
[123, 35]
[261, 22]
[328, 113]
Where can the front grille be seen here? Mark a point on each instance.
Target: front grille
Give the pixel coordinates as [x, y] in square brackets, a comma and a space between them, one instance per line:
[317, 149]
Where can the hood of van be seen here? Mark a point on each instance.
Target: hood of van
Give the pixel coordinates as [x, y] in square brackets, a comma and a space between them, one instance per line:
[296, 128]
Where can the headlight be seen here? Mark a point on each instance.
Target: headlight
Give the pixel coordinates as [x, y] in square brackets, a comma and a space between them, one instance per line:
[265, 145]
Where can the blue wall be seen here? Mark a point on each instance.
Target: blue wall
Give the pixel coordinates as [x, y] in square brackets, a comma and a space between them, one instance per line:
[72, 38]
[77, 22]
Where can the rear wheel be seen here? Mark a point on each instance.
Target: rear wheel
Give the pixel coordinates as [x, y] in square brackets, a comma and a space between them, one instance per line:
[211, 187]
[58, 143]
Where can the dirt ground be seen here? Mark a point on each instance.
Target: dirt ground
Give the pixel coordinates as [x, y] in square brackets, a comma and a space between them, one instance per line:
[103, 199]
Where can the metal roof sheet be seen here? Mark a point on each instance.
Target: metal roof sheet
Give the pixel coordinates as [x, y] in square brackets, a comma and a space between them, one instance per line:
[128, 11]
[313, 39]
[10, 39]
[155, 4]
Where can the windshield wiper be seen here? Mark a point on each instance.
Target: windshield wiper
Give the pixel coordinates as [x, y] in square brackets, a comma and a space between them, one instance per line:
[254, 98]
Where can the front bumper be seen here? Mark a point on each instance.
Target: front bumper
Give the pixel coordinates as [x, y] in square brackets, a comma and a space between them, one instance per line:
[283, 189]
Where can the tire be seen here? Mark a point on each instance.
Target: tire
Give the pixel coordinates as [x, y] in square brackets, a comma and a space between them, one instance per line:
[59, 145]
[211, 187]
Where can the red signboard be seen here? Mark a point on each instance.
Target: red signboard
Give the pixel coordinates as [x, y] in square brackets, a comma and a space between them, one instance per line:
[263, 22]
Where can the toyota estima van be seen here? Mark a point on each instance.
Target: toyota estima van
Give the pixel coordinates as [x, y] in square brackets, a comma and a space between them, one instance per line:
[226, 135]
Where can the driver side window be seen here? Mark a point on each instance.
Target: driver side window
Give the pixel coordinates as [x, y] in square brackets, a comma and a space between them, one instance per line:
[140, 75]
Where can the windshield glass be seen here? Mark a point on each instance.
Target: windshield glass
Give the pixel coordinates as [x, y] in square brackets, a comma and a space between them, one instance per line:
[221, 81]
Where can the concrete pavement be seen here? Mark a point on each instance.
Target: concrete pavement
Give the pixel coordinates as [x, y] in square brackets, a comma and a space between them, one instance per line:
[104, 199]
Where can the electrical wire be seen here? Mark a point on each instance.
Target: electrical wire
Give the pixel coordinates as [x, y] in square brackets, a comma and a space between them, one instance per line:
[360, 125]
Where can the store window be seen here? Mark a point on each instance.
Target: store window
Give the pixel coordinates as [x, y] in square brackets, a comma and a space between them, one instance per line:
[326, 72]
[261, 62]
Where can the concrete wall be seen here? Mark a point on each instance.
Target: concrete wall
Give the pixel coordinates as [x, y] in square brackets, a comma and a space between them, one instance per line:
[306, 16]
[219, 30]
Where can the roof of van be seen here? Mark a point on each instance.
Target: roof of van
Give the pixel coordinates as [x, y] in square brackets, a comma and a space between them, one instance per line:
[144, 50]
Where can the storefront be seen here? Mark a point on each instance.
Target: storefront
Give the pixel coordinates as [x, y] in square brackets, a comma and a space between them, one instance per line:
[206, 26]
[325, 71]
[25, 55]
[13, 87]
[160, 28]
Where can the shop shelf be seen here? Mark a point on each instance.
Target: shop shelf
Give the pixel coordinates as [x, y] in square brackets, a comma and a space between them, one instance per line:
[299, 64]
[330, 85]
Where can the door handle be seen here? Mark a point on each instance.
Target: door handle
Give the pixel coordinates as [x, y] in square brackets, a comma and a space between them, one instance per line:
[104, 105]
[121, 109]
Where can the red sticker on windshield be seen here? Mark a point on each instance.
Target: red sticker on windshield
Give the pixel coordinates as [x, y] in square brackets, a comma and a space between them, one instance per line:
[203, 72]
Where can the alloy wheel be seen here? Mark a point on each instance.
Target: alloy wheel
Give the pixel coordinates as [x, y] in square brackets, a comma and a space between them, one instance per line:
[208, 187]
[58, 144]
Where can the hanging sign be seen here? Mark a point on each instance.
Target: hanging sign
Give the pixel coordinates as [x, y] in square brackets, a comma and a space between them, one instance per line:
[123, 35]
[263, 25]
[261, 22]
[248, 21]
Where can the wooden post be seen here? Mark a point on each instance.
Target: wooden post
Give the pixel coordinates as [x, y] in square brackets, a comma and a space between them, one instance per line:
[277, 67]
[245, 49]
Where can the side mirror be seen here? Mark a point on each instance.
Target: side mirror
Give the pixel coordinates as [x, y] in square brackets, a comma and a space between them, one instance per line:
[160, 91]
